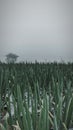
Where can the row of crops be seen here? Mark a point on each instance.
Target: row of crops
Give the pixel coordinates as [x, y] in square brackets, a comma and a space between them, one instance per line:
[36, 96]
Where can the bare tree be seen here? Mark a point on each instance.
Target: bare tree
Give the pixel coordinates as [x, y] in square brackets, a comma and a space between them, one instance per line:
[11, 58]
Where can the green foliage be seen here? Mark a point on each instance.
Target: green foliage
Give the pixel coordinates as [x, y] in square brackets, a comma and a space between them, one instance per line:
[39, 95]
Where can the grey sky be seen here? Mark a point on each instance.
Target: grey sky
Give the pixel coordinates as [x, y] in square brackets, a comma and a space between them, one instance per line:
[37, 29]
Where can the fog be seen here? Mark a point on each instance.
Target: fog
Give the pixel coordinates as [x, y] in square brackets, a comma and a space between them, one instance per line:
[39, 30]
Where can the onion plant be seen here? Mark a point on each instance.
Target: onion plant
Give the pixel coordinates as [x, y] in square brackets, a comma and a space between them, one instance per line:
[37, 96]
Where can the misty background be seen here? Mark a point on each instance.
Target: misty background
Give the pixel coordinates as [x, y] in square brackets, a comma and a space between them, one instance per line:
[39, 30]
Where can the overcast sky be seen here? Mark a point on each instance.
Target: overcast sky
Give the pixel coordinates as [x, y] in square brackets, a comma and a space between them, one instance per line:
[37, 29]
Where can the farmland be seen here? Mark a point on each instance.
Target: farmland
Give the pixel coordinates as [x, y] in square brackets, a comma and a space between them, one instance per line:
[36, 96]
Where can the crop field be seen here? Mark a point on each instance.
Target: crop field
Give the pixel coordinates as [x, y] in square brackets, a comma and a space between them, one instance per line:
[36, 96]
